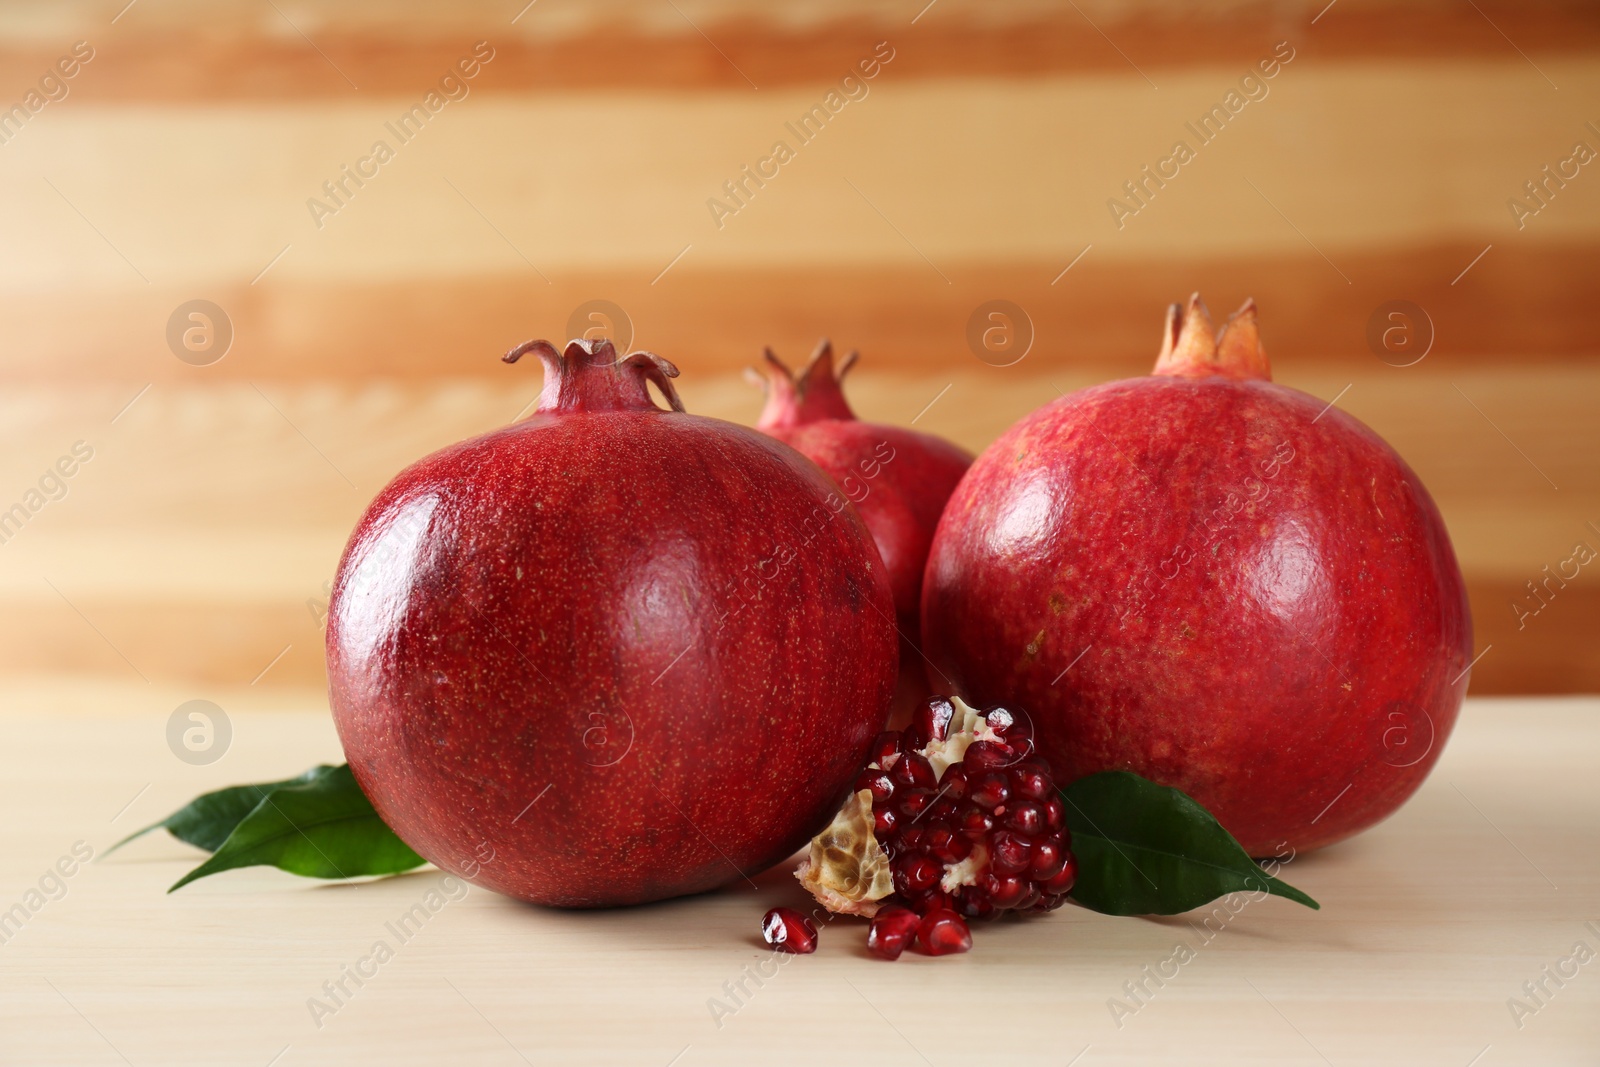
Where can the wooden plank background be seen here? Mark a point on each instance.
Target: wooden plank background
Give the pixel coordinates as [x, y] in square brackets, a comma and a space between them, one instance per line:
[177, 162]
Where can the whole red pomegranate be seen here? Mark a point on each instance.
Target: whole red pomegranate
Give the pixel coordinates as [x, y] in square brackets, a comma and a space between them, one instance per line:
[899, 479]
[637, 653]
[1222, 584]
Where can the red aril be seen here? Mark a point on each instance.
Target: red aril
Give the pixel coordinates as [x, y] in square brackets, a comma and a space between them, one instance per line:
[973, 829]
[788, 930]
[892, 931]
[943, 932]
[899, 479]
[594, 640]
[1225, 585]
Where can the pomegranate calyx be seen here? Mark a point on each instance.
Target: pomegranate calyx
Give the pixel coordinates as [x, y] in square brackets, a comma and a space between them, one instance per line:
[812, 396]
[1189, 349]
[588, 377]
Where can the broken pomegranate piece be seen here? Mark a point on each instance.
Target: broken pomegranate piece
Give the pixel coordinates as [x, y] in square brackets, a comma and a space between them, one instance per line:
[956, 817]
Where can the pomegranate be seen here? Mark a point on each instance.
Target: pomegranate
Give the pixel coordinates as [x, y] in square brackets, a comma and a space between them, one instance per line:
[596, 638]
[899, 479]
[1219, 583]
[955, 816]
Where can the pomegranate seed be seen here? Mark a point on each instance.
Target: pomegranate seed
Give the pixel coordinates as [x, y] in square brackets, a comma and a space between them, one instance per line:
[1000, 720]
[932, 720]
[917, 803]
[977, 906]
[987, 756]
[1010, 852]
[1004, 892]
[786, 930]
[913, 769]
[883, 822]
[946, 847]
[1050, 903]
[893, 928]
[943, 932]
[916, 874]
[1029, 783]
[976, 823]
[954, 783]
[1048, 859]
[1062, 883]
[1025, 818]
[1055, 813]
[887, 744]
[989, 790]
[876, 781]
[928, 900]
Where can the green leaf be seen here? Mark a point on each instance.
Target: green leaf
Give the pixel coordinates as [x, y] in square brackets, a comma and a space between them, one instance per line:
[208, 819]
[1148, 849]
[323, 827]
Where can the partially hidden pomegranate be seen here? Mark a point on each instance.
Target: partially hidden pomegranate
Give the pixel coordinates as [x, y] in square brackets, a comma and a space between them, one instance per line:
[954, 818]
[898, 478]
[632, 653]
[1222, 584]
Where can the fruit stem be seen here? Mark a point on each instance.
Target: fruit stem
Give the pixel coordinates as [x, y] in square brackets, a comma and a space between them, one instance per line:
[588, 377]
[812, 397]
[1188, 349]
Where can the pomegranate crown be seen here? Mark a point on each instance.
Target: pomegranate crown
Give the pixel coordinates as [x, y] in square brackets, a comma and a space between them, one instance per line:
[588, 377]
[813, 396]
[1189, 349]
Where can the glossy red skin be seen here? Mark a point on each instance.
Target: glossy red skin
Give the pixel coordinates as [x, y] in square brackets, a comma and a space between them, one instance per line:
[1274, 659]
[584, 659]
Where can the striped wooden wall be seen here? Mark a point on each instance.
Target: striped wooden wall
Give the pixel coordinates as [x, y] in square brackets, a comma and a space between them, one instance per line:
[577, 164]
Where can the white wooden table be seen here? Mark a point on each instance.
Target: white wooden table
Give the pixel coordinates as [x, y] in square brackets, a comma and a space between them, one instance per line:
[1431, 923]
